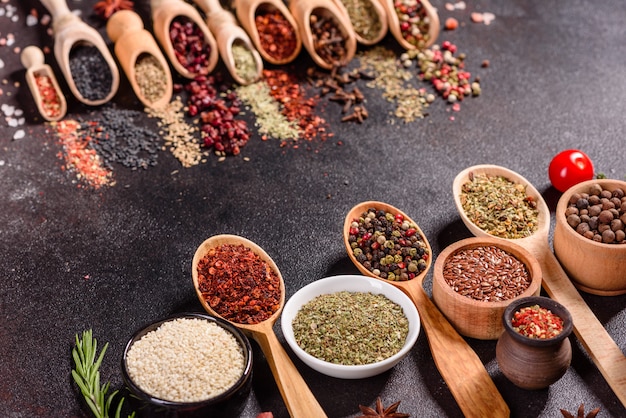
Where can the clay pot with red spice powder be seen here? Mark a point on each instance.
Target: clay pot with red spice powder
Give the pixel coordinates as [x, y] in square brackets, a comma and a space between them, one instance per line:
[527, 359]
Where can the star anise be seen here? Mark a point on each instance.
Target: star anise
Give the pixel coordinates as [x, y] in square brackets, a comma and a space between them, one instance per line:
[581, 412]
[381, 411]
[106, 8]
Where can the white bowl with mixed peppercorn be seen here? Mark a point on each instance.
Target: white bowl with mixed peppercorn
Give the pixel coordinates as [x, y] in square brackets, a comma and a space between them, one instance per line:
[590, 236]
[350, 326]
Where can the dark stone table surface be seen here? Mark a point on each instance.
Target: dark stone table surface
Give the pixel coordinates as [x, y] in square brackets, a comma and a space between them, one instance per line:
[115, 259]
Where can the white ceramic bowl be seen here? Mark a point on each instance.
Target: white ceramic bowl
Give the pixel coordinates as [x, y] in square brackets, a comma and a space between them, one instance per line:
[350, 283]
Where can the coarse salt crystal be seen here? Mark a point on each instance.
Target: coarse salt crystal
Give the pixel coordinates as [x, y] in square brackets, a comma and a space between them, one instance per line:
[19, 134]
[1, 63]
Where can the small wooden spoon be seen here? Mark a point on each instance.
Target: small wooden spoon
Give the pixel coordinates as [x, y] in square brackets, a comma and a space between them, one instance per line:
[383, 20]
[604, 352]
[302, 11]
[246, 11]
[223, 25]
[460, 367]
[69, 31]
[163, 13]
[394, 24]
[298, 398]
[125, 28]
[33, 60]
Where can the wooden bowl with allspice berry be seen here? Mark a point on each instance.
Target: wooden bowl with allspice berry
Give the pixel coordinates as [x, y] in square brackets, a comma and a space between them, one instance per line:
[590, 236]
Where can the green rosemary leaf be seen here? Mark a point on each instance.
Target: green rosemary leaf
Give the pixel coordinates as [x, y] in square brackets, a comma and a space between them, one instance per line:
[86, 375]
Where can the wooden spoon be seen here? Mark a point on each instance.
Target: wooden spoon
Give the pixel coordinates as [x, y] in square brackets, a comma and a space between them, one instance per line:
[302, 11]
[604, 352]
[381, 15]
[125, 28]
[32, 59]
[69, 31]
[223, 25]
[298, 398]
[394, 24]
[247, 10]
[163, 13]
[460, 367]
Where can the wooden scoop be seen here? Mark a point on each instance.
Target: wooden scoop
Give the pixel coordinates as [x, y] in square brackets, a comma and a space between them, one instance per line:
[381, 15]
[460, 367]
[247, 11]
[223, 25]
[302, 11]
[604, 352]
[69, 31]
[298, 398]
[125, 28]
[163, 14]
[394, 24]
[32, 59]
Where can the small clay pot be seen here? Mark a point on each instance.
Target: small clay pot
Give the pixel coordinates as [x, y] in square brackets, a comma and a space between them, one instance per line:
[531, 363]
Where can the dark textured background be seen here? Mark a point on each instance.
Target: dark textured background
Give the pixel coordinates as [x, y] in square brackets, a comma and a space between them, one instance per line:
[115, 259]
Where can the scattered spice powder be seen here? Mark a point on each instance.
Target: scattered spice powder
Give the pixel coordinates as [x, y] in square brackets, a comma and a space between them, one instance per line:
[537, 322]
[276, 34]
[486, 273]
[499, 206]
[351, 328]
[270, 121]
[238, 285]
[180, 137]
[410, 102]
[50, 100]
[150, 77]
[388, 245]
[79, 157]
[296, 106]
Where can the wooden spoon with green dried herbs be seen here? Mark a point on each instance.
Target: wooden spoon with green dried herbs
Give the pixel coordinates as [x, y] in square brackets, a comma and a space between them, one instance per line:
[460, 367]
[86, 374]
[491, 210]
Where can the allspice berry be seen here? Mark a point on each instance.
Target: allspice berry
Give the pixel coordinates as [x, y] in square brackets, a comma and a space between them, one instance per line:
[605, 217]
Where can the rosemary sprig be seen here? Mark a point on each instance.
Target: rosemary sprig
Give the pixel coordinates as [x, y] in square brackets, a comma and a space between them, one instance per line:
[87, 376]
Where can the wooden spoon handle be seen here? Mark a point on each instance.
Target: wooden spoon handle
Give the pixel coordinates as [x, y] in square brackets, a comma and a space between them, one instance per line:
[298, 398]
[464, 373]
[604, 352]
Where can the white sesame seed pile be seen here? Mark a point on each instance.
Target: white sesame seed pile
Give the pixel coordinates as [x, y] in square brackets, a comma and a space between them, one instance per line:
[186, 360]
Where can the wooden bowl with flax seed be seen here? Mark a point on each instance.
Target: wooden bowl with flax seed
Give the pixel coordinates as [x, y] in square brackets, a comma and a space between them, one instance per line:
[475, 279]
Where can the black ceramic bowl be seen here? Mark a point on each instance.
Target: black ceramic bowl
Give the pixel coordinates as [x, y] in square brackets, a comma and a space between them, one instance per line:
[229, 403]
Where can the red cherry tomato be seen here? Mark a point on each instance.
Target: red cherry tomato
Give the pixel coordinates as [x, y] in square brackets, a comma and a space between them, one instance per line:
[569, 168]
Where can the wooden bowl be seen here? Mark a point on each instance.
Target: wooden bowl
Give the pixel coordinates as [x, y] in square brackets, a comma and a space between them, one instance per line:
[477, 318]
[593, 267]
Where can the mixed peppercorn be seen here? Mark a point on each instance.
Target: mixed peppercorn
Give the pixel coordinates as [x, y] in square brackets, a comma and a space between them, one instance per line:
[388, 245]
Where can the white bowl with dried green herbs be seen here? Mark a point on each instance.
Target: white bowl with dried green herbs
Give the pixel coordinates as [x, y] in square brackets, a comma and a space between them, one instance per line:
[350, 326]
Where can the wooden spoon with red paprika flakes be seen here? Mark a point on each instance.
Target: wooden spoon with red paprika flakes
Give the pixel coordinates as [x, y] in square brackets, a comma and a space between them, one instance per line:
[602, 349]
[286, 42]
[43, 84]
[244, 260]
[460, 367]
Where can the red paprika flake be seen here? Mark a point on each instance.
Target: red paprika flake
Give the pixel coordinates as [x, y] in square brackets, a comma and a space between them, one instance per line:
[50, 100]
[238, 285]
[296, 105]
[537, 322]
[277, 36]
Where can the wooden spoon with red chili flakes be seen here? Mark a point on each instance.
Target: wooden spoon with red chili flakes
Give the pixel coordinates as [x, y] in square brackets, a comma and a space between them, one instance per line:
[298, 398]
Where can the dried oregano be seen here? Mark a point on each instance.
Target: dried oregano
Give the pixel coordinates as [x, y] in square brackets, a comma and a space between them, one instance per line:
[351, 328]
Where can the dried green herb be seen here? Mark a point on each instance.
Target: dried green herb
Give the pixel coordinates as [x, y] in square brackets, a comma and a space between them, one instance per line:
[351, 328]
[499, 206]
